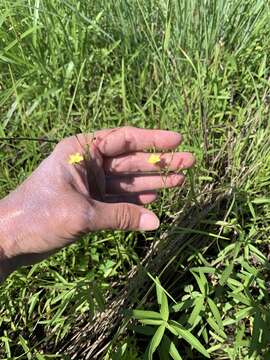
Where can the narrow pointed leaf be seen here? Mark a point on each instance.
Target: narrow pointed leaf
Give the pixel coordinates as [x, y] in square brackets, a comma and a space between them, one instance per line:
[215, 312]
[215, 327]
[164, 308]
[155, 341]
[174, 352]
[190, 338]
[226, 274]
[199, 304]
[158, 291]
[151, 322]
[143, 314]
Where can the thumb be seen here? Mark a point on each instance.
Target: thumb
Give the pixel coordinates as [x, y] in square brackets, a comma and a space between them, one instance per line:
[124, 216]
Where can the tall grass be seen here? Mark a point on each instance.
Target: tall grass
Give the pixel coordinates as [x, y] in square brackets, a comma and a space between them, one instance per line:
[197, 67]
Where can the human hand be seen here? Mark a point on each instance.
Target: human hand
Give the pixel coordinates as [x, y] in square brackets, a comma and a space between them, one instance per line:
[104, 189]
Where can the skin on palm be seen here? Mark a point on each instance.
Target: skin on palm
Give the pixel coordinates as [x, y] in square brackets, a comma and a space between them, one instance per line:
[61, 201]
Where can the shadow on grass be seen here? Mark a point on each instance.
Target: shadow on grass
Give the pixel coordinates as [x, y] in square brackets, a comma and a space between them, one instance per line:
[195, 231]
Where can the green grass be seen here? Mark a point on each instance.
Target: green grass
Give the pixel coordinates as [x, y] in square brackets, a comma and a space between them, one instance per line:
[197, 67]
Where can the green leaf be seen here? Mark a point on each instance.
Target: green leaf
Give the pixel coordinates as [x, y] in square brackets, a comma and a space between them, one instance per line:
[157, 282]
[261, 200]
[215, 312]
[163, 349]
[215, 327]
[159, 291]
[226, 274]
[190, 338]
[151, 321]
[167, 348]
[242, 298]
[25, 347]
[201, 281]
[199, 304]
[33, 301]
[204, 269]
[257, 252]
[183, 305]
[155, 341]
[143, 314]
[247, 311]
[164, 308]
[174, 352]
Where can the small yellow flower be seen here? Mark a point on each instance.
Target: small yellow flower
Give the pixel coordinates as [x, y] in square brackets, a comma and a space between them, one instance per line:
[75, 158]
[154, 159]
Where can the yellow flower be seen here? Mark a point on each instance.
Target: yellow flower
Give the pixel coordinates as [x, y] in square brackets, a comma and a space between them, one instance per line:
[154, 159]
[75, 158]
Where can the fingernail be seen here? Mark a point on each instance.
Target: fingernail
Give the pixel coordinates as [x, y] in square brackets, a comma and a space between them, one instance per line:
[148, 222]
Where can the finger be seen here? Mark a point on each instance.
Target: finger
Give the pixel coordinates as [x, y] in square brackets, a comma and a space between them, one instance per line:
[123, 216]
[139, 162]
[131, 184]
[129, 139]
[140, 199]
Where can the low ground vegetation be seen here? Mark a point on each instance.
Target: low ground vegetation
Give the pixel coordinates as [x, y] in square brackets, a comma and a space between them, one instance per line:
[197, 67]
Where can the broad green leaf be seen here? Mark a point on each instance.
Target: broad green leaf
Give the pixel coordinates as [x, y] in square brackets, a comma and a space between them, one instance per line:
[145, 314]
[215, 312]
[190, 338]
[164, 308]
[155, 341]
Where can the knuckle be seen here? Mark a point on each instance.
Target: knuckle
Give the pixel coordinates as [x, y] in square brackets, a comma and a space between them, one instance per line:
[64, 145]
[128, 132]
